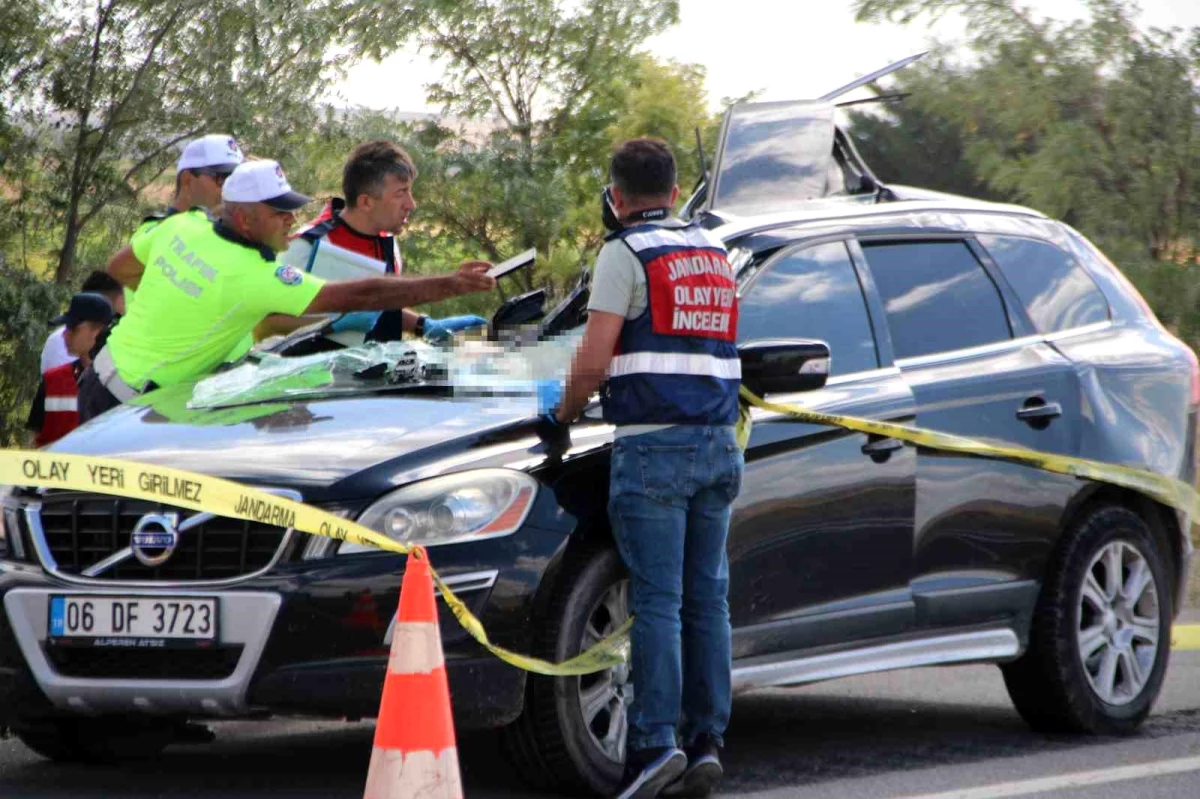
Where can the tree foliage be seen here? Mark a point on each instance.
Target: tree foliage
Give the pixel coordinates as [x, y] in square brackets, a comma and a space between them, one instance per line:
[1094, 121]
[25, 304]
[918, 141]
[530, 64]
[114, 86]
[551, 82]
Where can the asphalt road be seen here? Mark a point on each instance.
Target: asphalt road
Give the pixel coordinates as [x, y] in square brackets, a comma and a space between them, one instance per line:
[933, 733]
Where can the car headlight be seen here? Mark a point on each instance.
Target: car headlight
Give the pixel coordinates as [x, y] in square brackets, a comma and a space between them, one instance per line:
[468, 506]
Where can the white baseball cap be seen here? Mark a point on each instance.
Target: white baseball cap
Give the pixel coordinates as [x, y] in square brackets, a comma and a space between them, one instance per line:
[217, 151]
[262, 182]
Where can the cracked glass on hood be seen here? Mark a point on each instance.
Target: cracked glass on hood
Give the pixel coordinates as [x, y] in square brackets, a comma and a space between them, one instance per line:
[472, 368]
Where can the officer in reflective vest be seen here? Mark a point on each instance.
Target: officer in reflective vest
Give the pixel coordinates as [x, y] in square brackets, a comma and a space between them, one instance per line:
[207, 284]
[357, 236]
[55, 409]
[662, 322]
[199, 174]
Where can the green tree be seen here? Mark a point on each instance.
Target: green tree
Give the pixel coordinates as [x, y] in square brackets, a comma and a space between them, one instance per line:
[125, 81]
[918, 141]
[1092, 121]
[529, 64]
[548, 81]
[25, 304]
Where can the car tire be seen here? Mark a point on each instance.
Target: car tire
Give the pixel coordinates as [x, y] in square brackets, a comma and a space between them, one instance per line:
[98, 741]
[52, 740]
[554, 745]
[1097, 653]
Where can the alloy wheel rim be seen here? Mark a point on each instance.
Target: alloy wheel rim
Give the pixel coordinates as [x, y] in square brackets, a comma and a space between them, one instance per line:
[1119, 623]
[604, 698]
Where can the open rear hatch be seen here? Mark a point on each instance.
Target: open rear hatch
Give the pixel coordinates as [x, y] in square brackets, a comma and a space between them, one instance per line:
[775, 156]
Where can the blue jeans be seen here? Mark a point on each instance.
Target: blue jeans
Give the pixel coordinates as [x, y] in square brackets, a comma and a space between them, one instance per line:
[670, 497]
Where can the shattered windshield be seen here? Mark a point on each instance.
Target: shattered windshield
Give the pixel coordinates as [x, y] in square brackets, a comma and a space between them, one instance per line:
[471, 368]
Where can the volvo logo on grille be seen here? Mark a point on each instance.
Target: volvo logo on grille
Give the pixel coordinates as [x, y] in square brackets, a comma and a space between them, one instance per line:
[155, 537]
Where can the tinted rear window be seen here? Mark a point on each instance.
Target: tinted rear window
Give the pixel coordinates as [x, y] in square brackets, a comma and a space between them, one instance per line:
[775, 155]
[1055, 290]
[937, 296]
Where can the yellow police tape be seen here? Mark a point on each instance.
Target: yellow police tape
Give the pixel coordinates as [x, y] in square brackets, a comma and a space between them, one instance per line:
[1167, 490]
[213, 495]
[226, 498]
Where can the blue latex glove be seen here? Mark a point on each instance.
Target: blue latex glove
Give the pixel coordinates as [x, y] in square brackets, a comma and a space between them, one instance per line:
[549, 393]
[442, 329]
[355, 322]
[555, 436]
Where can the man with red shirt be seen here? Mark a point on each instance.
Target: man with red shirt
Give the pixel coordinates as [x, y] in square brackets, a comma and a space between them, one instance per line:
[356, 237]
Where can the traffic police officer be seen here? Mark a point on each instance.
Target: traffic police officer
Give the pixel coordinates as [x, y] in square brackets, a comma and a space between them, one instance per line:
[202, 168]
[208, 284]
[664, 300]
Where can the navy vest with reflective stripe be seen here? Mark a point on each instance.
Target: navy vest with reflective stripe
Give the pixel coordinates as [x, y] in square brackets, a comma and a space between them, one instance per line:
[677, 362]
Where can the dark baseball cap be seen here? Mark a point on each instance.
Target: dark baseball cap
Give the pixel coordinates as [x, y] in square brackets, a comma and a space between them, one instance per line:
[86, 307]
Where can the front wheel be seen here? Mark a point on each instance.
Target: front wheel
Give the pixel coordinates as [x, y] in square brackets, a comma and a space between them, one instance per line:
[571, 734]
[1100, 641]
[95, 740]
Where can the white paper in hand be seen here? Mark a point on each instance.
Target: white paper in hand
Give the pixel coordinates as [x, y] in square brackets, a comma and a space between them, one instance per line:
[513, 264]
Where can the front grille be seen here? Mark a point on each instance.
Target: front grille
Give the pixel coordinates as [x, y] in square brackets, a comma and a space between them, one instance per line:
[12, 548]
[81, 530]
[144, 664]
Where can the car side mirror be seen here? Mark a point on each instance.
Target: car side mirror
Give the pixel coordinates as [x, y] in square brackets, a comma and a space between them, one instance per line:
[784, 365]
[517, 311]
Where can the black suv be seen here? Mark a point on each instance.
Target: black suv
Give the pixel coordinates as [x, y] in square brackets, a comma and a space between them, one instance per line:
[848, 553]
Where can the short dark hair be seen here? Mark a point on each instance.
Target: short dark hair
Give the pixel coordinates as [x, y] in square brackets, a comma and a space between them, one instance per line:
[369, 164]
[643, 168]
[100, 282]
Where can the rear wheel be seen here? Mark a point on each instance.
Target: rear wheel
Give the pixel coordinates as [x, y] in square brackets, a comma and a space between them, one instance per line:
[571, 734]
[1100, 641]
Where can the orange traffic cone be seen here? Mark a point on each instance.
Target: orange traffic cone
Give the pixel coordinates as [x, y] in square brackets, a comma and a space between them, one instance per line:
[415, 754]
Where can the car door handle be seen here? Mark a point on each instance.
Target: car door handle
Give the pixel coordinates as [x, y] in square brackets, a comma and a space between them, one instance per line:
[880, 449]
[1042, 412]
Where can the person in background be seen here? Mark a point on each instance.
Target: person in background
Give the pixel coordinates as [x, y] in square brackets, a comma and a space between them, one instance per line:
[56, 351]
[361, 231]
[55, 409]
[199, 175]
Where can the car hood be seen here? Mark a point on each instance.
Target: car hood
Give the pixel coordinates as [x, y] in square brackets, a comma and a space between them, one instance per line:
[294, 442]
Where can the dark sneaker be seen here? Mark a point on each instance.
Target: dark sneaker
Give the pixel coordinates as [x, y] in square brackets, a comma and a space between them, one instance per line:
[703, 770]
[647, 771]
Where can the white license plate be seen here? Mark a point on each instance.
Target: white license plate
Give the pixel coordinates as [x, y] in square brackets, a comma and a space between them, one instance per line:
[108, 618]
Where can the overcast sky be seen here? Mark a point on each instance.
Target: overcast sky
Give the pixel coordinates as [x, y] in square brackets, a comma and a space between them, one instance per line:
[788, 49]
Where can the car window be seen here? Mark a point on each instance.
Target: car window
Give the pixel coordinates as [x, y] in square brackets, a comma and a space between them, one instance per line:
[937, 296]
[1054, 289]
[774, 155]
[812, 293]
